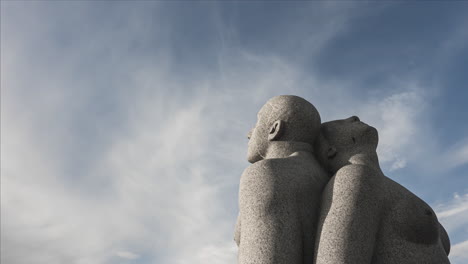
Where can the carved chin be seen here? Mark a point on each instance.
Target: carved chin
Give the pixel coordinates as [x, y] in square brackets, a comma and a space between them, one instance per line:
[374, 135]
[252, 156]
[253, 159]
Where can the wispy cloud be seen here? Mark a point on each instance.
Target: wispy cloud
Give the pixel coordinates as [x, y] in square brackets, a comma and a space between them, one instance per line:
[454, 213]
[127, 255]
[456, 155]
[459, 253]
[156, 189]
[454, 217]
[117, 145]
[397, 117]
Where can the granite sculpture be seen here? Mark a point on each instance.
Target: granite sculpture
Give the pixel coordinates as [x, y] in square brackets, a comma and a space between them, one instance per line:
[315, 193]
[365, 216]
[280, 192]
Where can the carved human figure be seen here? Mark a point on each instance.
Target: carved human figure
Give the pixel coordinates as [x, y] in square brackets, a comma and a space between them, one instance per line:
[365, 216]
[279, 193]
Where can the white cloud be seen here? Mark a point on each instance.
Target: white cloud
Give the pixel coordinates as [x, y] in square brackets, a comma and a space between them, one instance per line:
[159, 188]
[398, 164]
[216, 254]
[162, 194]
[398, 114]
[459, 252]
[453, 215]
[456, 155]
[400, 119]
[127, 255]
[457, 206]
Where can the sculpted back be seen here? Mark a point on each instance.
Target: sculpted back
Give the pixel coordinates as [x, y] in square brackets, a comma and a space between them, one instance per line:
[279, 194]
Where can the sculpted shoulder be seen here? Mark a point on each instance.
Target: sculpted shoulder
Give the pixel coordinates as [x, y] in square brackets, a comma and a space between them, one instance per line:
[268, 175]
[257, 177]
[358, 178]
[356, 172]
[261, 188]
[269, 167]
[262, 166]
[260, 171]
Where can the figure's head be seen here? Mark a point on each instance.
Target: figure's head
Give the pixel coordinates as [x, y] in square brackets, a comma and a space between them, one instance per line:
[283, 118]
[339, 140]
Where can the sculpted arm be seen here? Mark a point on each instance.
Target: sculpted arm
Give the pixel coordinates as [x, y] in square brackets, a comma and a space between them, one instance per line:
[270, 224]
[349, 217]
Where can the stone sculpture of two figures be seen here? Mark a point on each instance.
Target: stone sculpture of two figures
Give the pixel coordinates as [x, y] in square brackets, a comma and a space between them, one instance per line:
[315, 193]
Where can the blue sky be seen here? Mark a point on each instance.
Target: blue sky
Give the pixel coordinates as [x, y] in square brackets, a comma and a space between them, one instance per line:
[123, 124]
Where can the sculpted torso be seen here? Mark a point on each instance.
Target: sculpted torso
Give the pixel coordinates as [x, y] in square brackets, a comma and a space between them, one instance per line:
[368, 218]
[409, 225]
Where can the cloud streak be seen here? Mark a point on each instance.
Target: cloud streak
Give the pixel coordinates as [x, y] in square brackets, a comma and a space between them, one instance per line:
[118, 146]
[454, 217]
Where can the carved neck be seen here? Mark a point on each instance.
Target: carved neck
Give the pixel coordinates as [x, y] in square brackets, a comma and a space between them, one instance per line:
[283, 149]
[367, 159]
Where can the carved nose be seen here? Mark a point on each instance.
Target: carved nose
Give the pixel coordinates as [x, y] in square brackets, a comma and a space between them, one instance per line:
[354, 119]
[249, 135]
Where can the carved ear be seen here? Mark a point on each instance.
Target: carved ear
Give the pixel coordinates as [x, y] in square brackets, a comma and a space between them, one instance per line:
[331, 152]
[276, 130]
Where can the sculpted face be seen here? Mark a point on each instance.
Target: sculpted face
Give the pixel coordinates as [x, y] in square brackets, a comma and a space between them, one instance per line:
[345, 138]
[258, 139]
[350, 133]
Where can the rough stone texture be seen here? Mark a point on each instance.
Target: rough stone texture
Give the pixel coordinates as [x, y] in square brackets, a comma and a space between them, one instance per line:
[280, 192]
[365, 216]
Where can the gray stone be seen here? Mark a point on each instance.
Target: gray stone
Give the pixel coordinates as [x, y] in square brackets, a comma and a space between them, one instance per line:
[365, 216]
[280, 192]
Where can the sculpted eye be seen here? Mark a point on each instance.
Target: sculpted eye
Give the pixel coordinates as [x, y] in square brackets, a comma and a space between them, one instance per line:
[331, 153]
[354, 140]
